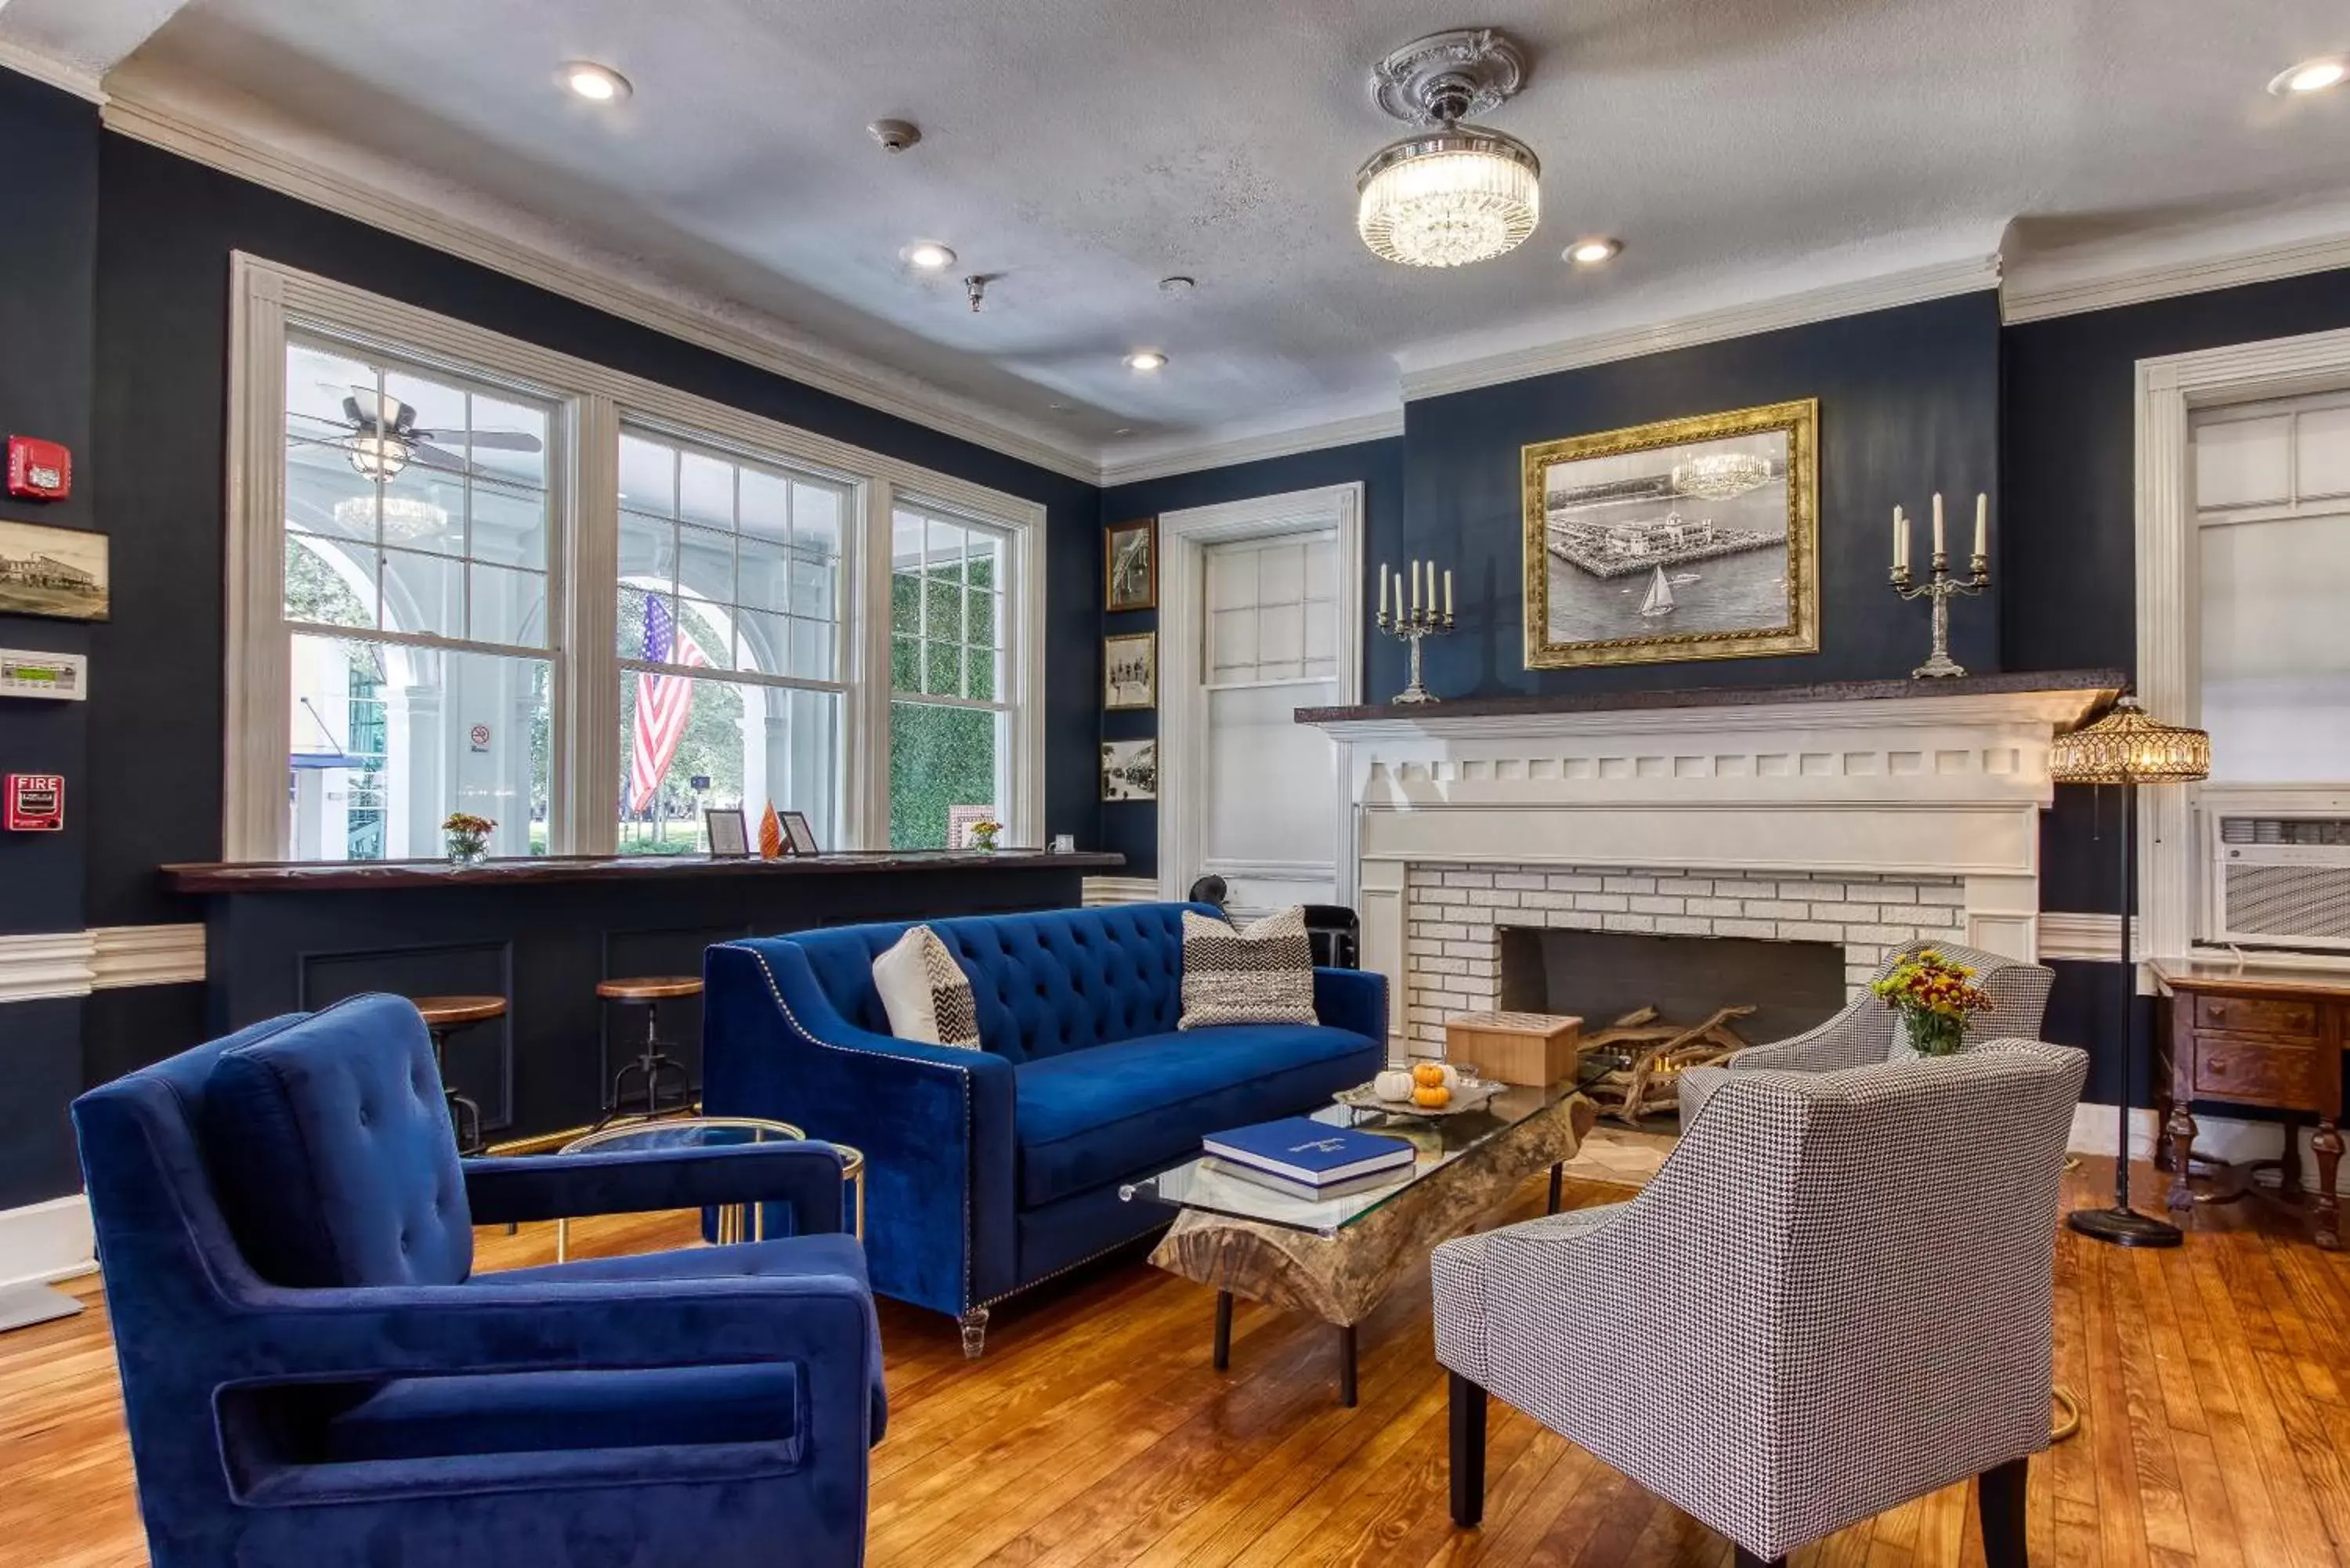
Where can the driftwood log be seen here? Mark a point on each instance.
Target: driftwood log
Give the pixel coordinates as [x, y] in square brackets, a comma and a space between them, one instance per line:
[1654, 1054]
[1341, 1278]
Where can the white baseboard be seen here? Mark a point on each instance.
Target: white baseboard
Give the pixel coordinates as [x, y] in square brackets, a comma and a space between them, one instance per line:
[1120, 890]
[2220, 1137]
[42, 1243]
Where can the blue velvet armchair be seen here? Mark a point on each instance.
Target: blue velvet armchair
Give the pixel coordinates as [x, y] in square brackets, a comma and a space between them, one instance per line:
[992, 1171]
[313, 1373]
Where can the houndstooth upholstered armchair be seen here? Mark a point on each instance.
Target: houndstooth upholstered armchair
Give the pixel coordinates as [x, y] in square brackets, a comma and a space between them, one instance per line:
[1837, 1294]
[1862, 1033]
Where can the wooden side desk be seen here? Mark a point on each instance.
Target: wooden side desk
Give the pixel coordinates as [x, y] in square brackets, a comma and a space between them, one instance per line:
[2271, 1038]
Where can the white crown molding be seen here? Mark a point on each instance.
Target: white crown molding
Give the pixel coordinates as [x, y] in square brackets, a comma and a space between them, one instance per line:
[41, 1243]
[66, 76]
[44, 965]
[1161, 460]
[2038, 290]
[1911, 285]
[146, 955]
[738, 332]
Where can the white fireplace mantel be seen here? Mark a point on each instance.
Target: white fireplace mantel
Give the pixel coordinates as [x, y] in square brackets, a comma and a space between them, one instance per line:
[1887, 779]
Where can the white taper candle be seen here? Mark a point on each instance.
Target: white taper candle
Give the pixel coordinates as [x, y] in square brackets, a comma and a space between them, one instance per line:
[1983, 522]
[1448, 593]
[1383, 590]
[1937, 522]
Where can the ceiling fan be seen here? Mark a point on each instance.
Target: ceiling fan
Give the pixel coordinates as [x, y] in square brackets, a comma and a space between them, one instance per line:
[383, 439]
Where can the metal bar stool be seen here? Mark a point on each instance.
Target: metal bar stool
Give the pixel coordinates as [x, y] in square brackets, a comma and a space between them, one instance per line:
[444, 1014]
[653, 1062]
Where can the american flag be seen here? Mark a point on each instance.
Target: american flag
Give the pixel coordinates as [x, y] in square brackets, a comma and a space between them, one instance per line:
[662, 700]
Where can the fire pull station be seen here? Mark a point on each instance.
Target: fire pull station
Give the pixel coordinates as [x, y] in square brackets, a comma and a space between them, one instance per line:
[36, 803]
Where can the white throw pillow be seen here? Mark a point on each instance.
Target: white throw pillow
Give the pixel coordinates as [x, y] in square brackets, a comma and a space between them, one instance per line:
[1262, 973]
[925, 992]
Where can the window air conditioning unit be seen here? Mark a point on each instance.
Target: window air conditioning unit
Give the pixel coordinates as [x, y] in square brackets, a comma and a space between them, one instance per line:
[2282, 881]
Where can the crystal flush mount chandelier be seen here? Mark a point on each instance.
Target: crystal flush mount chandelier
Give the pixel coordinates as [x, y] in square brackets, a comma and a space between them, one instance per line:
[1449, 193]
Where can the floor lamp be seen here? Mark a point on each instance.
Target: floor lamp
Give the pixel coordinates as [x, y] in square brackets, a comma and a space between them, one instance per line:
[2128, 749]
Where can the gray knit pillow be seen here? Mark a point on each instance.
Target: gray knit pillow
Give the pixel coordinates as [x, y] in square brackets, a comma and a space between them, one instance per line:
[1262, 973]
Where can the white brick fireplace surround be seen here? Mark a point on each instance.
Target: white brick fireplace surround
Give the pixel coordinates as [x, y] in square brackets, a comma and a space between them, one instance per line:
[1456, 912]
[1865, 814]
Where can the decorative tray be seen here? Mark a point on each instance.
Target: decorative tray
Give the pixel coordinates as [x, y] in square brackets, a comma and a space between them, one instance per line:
[1363, 1097]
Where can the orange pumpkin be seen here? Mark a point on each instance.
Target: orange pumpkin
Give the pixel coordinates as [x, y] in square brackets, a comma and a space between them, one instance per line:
[1428, 1074]
[1431, 1096]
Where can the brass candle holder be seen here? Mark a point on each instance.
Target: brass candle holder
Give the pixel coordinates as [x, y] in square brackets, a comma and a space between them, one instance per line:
[1941, 587]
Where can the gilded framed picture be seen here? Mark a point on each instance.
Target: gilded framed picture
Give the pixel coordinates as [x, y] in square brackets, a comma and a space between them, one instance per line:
[1130, 670]
[1131, 565]
[1690, 538]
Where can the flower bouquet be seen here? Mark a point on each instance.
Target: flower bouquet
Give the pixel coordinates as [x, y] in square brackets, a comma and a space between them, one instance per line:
[1934, 998]
[469, 838]
[985, 832]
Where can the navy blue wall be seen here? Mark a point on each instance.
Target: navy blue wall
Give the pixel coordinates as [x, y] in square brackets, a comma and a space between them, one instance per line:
[1131, 827]
[47, 330]
[1908, 405]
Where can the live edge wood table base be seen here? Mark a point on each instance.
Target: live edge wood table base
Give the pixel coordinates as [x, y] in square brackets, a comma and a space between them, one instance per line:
[1340, 1278]
[2269, 1038]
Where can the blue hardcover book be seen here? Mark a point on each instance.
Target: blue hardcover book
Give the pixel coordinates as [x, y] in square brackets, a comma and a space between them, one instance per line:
[1303, 1151]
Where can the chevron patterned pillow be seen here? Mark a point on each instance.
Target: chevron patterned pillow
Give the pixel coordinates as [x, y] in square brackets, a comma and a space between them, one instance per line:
[1261, 973]
[925, 992]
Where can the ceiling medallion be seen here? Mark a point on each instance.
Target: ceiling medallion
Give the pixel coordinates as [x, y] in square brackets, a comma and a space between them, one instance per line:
[1448, 194]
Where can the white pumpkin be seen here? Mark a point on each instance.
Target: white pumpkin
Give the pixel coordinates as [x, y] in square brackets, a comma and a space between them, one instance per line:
[1394, 1084]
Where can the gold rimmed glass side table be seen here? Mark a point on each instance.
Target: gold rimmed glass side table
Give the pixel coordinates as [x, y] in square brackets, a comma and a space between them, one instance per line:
[736, 1222]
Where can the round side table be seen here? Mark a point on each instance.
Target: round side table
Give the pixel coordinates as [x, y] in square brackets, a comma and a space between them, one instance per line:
[736, 1222]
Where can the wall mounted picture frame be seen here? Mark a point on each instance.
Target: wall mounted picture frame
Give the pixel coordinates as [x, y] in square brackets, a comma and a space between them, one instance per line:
[1131, 565]
[1686, 539]
[61, 573]
[1129, 769]
[798, 833]
[730, 834]
[1129, 671]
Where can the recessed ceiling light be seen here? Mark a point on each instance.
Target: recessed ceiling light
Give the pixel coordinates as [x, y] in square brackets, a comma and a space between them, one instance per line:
[596, 84]
[1145, 360]
[1592, 252]
[928, 255]
[1179, 284]
[2312, 75]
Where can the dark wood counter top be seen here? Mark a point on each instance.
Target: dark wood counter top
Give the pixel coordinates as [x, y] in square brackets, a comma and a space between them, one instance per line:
[346, 876]
[2108, 683]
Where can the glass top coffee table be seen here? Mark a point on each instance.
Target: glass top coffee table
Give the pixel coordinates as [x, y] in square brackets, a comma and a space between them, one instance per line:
[736, 1222]
[1337, 1257]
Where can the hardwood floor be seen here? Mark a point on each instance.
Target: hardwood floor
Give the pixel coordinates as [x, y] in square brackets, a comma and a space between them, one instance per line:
[2216, 1430]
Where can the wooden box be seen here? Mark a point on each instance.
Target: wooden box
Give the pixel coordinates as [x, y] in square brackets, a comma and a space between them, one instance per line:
[1536, 1048]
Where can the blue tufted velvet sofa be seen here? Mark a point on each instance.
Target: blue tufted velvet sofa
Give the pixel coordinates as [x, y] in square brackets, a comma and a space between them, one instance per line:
[992, 1169]
[313, 1374]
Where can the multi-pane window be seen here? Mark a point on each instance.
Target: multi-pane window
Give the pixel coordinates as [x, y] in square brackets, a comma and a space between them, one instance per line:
[417, 523]
[470, 574]
[1272, 610]
[2273, 514]
[729, 568]
[948, 707]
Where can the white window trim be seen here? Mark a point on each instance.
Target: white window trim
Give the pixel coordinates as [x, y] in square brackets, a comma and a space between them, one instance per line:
[2169, 389]
[1183, 540]
[593, 401]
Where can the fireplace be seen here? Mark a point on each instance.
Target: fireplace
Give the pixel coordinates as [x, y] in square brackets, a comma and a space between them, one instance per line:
[1601, 976]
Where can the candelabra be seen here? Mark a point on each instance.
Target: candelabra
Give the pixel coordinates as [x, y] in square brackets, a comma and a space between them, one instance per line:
[1414, 623]
[1942, 586]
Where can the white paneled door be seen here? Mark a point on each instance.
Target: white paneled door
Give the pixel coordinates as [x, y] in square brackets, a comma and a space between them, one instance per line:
[1263, 616]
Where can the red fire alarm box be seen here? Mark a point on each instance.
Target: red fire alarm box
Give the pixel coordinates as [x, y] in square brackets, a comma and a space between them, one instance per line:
[36, 803]
[38, 469]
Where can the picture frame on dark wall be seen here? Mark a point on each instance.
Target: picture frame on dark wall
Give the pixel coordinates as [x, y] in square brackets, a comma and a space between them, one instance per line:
[61, 573]
[1129, 769]
[1129, 671]
[730, 835]
[1687, 539]
[1131, 565]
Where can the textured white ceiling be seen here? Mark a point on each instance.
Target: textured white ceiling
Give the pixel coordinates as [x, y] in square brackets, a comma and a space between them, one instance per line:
[1079, 150]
